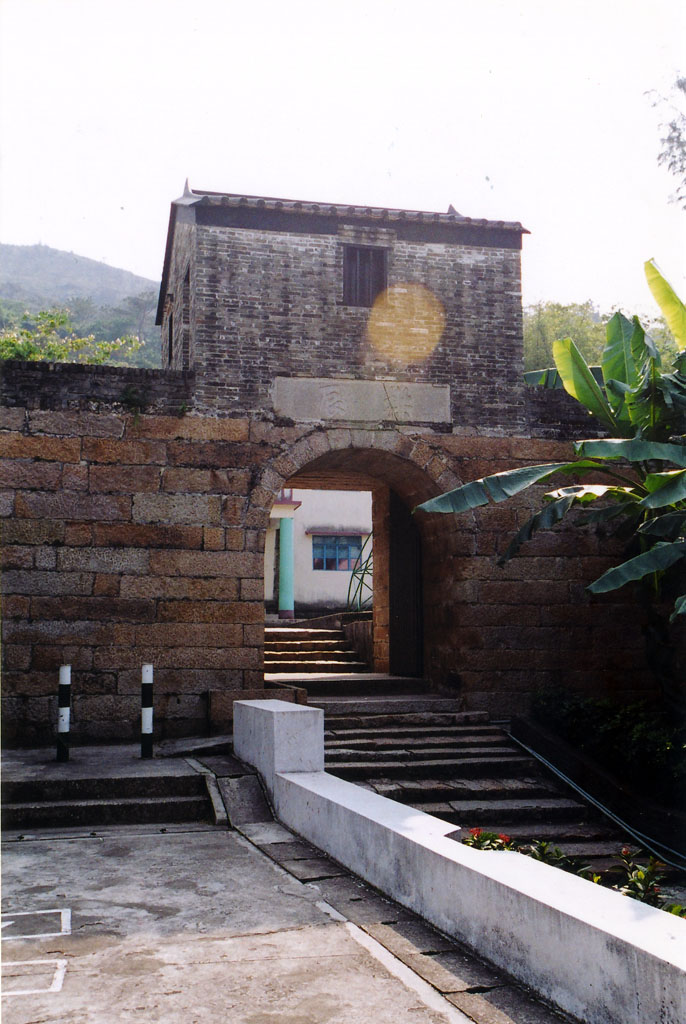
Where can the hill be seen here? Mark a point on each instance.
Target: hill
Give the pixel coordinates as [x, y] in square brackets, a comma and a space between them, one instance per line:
[37, 274]
[104, 301]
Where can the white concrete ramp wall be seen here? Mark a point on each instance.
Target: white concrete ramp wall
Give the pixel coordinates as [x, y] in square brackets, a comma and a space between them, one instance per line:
[600, 956]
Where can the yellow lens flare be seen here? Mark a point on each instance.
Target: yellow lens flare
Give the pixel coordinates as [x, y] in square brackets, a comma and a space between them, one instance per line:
[406, 323]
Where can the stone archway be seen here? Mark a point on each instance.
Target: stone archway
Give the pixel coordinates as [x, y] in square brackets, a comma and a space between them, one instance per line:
[401, 471]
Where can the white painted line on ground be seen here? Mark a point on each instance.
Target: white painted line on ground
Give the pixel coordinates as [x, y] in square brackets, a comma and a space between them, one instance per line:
[427, 993]
[331, 911]
[60, 969]
[65, 923]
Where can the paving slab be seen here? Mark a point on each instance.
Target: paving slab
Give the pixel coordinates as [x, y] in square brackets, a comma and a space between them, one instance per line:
[359, 902]
[314, 868]
[410, 936]
[452, 972]
[297, 850]
[244, 800]
[95, 762]
[506, 1005]
[265, 833]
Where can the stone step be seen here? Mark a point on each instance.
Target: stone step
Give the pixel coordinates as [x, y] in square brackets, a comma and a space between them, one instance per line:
[421, 791]
[137, 810]
[337, 653]
[608, 849]
[305, 645]
[99, 788]
[418, 741]
[414, 726]
[472, 767]
[360, 684]
[407, 709]
[299, 633]
[506, 813]
[409, 754]
[321, 664]
[561, 834]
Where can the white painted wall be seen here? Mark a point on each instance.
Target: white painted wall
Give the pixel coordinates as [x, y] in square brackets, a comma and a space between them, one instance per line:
[599, 955]
[343, 511]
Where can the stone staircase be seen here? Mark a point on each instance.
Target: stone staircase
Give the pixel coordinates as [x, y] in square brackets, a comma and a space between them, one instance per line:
[67, 803]
[465, 770]
[296, 650]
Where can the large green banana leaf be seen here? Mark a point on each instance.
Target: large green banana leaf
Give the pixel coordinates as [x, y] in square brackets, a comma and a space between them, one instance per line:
[669, 525]
[633, 451]
[673, 309]
[618, 361]
[543, 520]
[497, 487]
[579, 382]
[552, 381]
[665, 489]
[658, 558]
[679, 607]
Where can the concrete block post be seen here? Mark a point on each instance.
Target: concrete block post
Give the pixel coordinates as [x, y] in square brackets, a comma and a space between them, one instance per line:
[277, 737]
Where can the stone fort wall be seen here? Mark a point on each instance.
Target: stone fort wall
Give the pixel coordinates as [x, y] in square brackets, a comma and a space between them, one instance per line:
[128, 539]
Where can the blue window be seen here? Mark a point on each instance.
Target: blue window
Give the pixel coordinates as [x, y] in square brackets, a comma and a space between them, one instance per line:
[338, 552]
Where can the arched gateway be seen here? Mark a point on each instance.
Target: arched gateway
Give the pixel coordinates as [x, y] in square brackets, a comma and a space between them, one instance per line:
[303, 344]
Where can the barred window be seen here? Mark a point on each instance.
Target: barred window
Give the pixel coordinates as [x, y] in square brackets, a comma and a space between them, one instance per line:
[364, 274]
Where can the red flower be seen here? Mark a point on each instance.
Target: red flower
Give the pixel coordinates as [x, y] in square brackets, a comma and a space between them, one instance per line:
[505, 839]
[476, 831]
[625, 851]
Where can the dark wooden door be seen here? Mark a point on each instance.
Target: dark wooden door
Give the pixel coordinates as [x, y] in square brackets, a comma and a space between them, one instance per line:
[405, 592]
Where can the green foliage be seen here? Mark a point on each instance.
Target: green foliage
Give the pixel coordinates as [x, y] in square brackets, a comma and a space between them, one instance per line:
[643, 407]
[545, 322]
[133, 317]
[480, 839]
[546, 853]
[639, 743]
[640, 881]
[673, 141]
[50, 336]
[361, 586]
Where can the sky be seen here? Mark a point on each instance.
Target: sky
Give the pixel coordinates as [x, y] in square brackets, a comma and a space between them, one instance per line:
[536, 111]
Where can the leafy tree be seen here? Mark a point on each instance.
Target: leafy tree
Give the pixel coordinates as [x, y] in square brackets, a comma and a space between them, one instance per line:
[50, 336]
[544, 322]
[643, 462]
[673, 141]
[134, 316]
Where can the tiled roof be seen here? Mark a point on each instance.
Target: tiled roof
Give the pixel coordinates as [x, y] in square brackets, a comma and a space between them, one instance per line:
[342, 210]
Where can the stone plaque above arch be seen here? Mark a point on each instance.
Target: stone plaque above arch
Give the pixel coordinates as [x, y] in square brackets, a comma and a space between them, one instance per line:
[317, 399]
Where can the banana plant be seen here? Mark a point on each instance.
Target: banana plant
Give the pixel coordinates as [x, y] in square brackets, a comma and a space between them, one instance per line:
[642, 462]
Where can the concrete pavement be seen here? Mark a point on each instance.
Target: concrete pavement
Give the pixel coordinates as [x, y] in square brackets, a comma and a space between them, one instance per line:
[199, 923]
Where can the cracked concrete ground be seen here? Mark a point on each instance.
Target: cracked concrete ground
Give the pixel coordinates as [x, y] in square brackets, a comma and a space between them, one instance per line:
[203, 923]
[197, 924]
[184, 926]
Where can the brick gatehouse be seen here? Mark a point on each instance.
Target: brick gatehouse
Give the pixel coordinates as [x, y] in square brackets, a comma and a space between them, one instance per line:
[303, 345]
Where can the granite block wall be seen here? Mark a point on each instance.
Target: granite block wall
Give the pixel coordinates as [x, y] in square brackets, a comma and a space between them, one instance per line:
[128, 539]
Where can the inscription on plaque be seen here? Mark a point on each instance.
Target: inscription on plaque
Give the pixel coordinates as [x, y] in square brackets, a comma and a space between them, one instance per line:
[317, 399]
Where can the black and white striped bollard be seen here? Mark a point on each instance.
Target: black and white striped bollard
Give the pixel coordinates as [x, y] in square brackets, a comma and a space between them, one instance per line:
[63, 713]
[146, 711]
